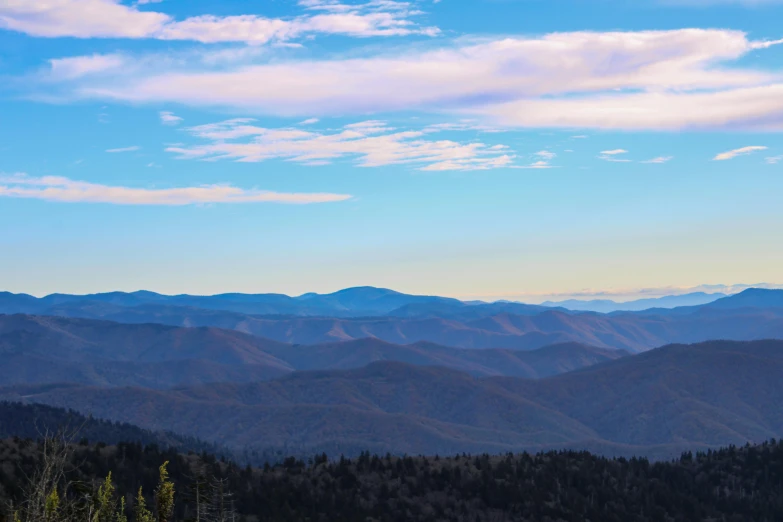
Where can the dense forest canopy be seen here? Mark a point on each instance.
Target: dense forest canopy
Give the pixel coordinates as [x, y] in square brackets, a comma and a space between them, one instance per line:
[733, 484]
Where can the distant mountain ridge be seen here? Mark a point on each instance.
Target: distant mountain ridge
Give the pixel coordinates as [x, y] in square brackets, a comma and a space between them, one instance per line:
[358, 302]
[753, 314]
[608, 306]
[351, 302]
[673, 398]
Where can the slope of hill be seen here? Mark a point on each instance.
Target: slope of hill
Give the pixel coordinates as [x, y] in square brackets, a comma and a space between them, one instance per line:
[668, 399]
[81, 339]
[711, 393]
[383, 407]
[751, 298]
[36, 421]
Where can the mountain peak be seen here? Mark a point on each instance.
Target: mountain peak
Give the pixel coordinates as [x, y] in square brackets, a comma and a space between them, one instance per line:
[751, 298]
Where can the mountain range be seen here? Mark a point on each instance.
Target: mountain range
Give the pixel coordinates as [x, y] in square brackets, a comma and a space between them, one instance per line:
[668, 399]
[753, 314]
[43, 349]
[350, 302]
[372, 369]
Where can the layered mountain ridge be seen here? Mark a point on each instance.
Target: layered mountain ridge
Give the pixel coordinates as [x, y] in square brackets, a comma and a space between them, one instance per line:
[751, 315]
[667, 400]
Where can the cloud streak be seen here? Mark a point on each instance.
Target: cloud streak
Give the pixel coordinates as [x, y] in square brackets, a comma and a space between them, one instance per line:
[724, 156]
[133, 148]
[371, 143]
[662, 80]
[64, 190]
[112, 19]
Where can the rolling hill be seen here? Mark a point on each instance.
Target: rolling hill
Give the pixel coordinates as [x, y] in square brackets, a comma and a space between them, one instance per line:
[663, 401]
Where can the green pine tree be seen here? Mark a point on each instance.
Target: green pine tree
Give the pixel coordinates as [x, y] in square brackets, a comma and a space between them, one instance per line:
[164, 495]
[141, 513]
[106, 503]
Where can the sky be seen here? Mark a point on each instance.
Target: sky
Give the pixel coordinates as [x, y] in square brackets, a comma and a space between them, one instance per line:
[481, 149]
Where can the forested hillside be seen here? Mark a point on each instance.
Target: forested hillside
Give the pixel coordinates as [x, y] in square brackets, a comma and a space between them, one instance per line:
[731, 485]
[37, 421]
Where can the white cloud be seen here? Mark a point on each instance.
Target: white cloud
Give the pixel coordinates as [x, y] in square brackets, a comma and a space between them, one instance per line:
[723, 156]
[545, 154]
[774, 160]
[310, 121]
[169, 118]
[80, 18]
[111, 19]
[55, 188]
[661, 80]
[614, 156]
[659, 159]
[541, 164]
[124, 149]
[371, 143]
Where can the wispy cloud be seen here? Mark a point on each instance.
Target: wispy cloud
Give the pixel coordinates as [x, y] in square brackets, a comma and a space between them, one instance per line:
[659, 160]
[124, 149]
[78, 66]
[773, 160]
[723, 156]
[536, 165]
[664, 80]
[546, 155]
[371, 143]
[169, 118]
[112, 19]
[60, 189]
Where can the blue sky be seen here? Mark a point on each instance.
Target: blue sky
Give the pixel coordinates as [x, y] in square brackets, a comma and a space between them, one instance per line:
[496, 149]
